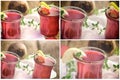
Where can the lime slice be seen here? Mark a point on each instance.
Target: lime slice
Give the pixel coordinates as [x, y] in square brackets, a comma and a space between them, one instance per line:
[43, 4]
[68, 54]
[3, 15]
[2, 55]
[63, 12]
[40, 53]
[114, 5]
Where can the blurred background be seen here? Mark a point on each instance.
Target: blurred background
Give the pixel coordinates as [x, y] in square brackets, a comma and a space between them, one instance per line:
[25, 6]
[24, 48]
[109, 46]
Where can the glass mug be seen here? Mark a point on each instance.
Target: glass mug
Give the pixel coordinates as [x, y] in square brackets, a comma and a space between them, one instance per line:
[71, 26]
[8, 64]
[11, 25]
[90, 66]
[43, 70]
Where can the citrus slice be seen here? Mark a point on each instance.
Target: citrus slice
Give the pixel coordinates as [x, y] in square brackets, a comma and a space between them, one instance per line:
[63, 12]
[43, 4]
[2, 55]
[68, 54]
[40, 53]
[3, 15]
[114, 5]
[40, 56]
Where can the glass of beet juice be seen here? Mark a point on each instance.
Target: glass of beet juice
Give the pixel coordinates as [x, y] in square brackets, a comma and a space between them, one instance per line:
[49, 23]
[112, 27]
[71, 26]
[90, 66]
[43, 68]
[11, 25]
[8, 64]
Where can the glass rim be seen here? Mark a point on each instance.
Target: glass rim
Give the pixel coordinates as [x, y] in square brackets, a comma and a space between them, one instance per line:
[77, 8]
[13, 53]
[110, 17]
[12, 10]
[94, 48]
[53, 60]
[57, 15]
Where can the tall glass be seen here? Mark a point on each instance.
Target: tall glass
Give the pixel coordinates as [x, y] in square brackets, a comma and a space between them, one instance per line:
[8, 65]
[71, 26]
[90, 66]
[11, 25]
[43, 70]
[112, 28]
[49, 24]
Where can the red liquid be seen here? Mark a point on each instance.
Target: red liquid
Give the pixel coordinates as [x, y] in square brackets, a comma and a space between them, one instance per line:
[72, 24]
[11, 26]
[8, 66]
[43, 70]
[88, 68]
[112, 28]
[49, 25]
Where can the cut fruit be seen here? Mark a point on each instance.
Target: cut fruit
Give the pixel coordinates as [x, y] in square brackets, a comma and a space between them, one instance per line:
[40, 53]
[114, 5]
[68, 54]
[41, 56]
[45, 11]
[113, 13]
[63, 12]
[3, 15]
[2, 55]
[43, 4]
[41, 59]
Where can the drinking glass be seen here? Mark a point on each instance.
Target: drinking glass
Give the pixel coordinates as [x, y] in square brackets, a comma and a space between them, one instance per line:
[11, 25]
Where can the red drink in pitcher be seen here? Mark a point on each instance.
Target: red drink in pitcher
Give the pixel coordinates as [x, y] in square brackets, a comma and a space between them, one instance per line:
[43, 70]
[49, 23]
[8, 65]
[11, 25]
[90, 66]
[71, 26]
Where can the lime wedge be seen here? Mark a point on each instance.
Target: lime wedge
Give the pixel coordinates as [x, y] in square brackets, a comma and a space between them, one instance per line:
[3, 15]
[63, 12]
[40, 53]
[43, 4]
[114, 5]
[2, 55]
[68, 54]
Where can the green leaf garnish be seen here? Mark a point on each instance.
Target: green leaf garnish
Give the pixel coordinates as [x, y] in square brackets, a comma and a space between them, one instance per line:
[3, 15]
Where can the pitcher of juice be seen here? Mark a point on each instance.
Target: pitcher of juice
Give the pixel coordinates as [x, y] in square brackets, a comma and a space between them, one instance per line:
[90, 66]
[11, 24]
[8, 64]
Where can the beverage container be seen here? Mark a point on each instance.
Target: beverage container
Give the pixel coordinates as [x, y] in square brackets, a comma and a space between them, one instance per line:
[49, 24]
[71, 26]
[112, 26]
[43, 70]
[90, 66]
[8, 65]
[11, 25]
